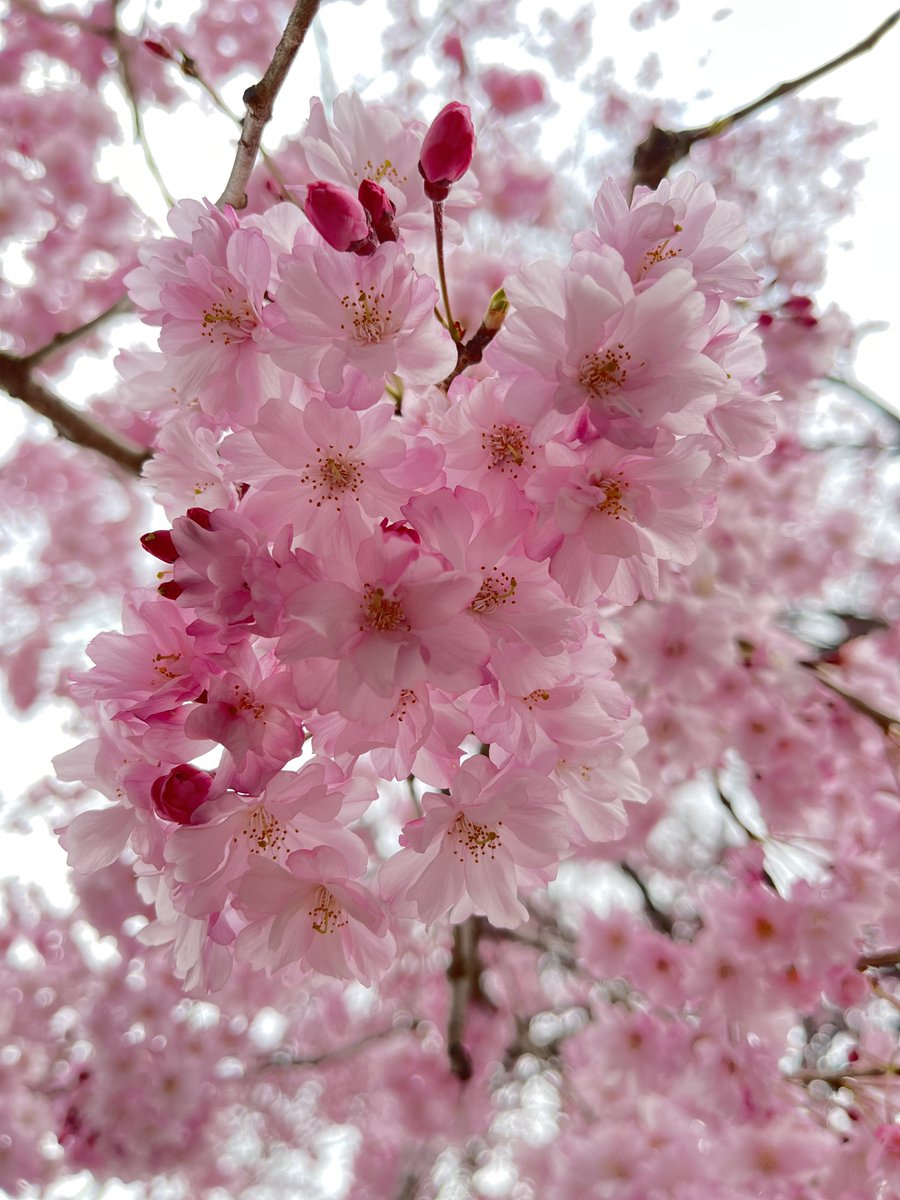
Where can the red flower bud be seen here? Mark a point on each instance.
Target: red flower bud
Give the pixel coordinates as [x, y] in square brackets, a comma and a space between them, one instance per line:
[339, 217]
[170, 590]
[159, 543]
[447, 150]
[511, 92]
[381, 209]
[178, 795]
[200, 516]
[159, 49]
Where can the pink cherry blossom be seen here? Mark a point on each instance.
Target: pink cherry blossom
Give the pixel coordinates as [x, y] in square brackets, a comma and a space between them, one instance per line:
[497, 831]
[340, 319]
[313, 912]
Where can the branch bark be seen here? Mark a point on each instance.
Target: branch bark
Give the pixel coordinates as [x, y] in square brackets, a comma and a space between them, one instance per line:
[663, 148]
[260, 101]
[60, 340]
[75, 426]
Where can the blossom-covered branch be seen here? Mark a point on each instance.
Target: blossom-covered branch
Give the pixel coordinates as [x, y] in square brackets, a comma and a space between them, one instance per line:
[663, 148]
[260, 99]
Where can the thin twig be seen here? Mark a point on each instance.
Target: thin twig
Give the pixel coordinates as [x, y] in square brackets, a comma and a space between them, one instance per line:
[662, 148]
[59, 340]
[864, 393]
[453, 328]
[285, 1059]
[131, 95]
[471, 352]
[838, 1079]
[260, 99]
[660, 921]
[890, 726]
[878, 958]
[75, 426]
[188, 68]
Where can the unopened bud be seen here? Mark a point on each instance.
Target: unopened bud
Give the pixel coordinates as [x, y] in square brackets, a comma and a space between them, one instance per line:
[447, 150]
[159, 543]
[200, 516]
[381, 209]
[159, 49]
[339, 217]
[496, 311]
[178, 795]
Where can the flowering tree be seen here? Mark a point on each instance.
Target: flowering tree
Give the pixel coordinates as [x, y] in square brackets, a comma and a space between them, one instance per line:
[492, 786]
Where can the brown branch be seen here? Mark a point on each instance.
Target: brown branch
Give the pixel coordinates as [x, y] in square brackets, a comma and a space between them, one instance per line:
[663, 148]
[660, 921]
[838, 1079]
[464, 977]
[59, 340]
[285, 1059]
[260, 99]
[471, 352]
[879, 958]
[890, 726]
[189, 70]
[75, 426]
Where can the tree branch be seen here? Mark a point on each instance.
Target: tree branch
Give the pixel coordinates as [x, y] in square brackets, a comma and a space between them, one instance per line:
[660, 921]
[128, 86]
[888, 725]
[838, 1079]
[59, 340]
[663, 148]
[463, 975]
[284, 1059]
[864, 393]
[75, 426]
[260, 99]
[879, 958]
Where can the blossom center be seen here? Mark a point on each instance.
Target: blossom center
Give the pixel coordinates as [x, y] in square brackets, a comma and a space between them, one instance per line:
[613, 502]
[534, 698]
[368, 321]
[497, 588]
[326, 915]
[407, 697]
[508, 447]
[381, 613]
[265, 833]
[225, 321]
[661, 252]
[605, 372]
[332, 476]
[384, 170]
[243, 702]
[159, 665]
[472, 839]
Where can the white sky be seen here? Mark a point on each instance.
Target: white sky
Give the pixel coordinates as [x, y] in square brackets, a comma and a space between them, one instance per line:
[714, 65]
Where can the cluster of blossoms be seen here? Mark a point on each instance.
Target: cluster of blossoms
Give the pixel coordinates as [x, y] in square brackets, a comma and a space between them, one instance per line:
[395, 546]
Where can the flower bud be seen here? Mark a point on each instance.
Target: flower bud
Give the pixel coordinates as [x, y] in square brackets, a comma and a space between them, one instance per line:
[159, 543]
[178, 795]
[381, 209]
[447, 150]
[338, 216]
[511, 92]
[200, 516]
